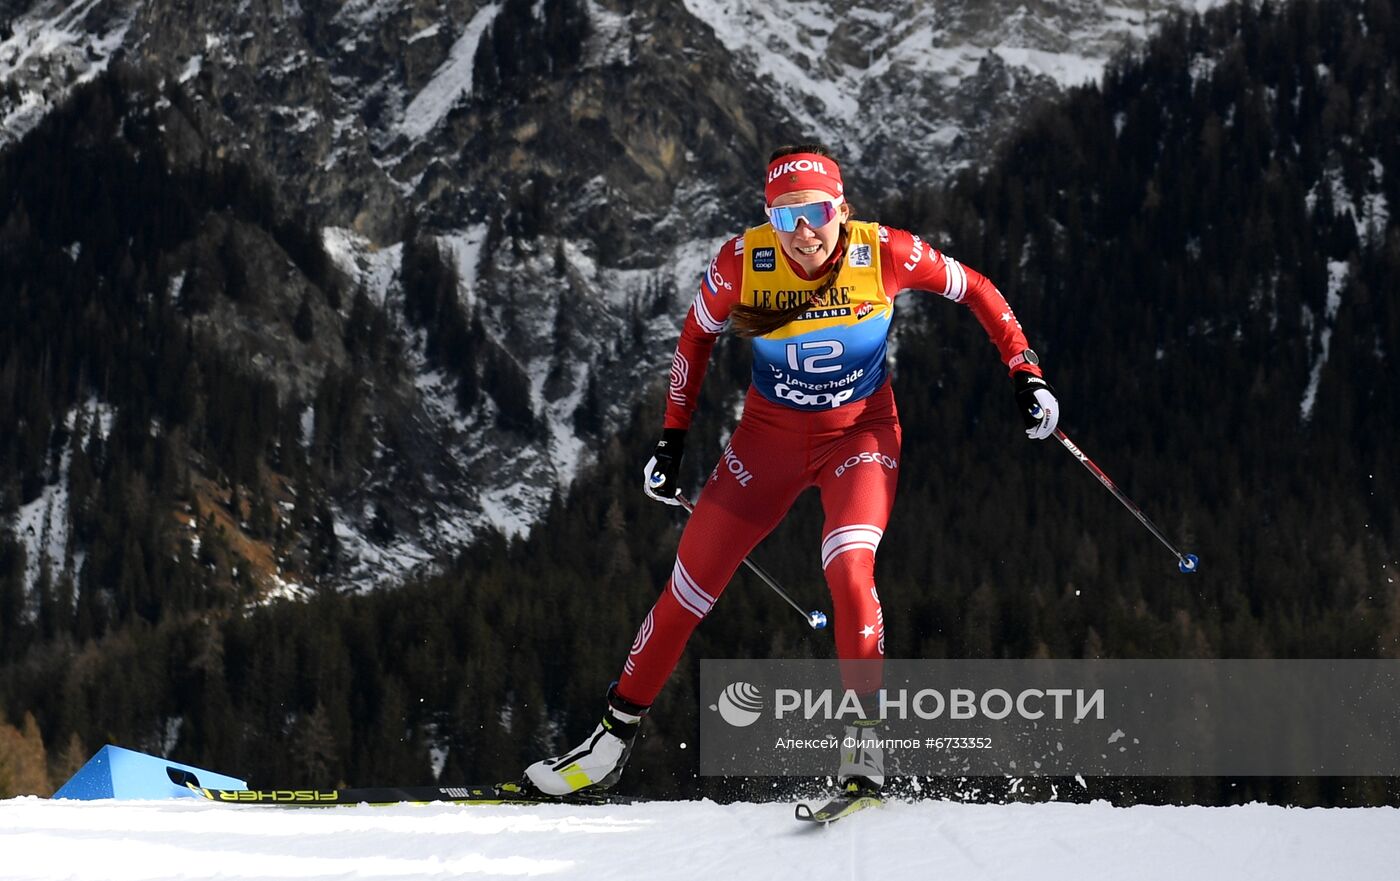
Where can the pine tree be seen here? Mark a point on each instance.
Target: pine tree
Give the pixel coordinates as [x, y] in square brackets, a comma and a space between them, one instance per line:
[23, 761]
[316, 755]
[70, 761]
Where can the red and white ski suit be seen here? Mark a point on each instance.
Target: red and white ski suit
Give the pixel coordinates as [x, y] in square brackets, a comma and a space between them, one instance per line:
[820, 412]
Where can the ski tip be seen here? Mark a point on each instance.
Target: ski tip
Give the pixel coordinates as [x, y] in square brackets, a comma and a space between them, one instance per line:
[1189, 563]
[836, 809]
[817, 620]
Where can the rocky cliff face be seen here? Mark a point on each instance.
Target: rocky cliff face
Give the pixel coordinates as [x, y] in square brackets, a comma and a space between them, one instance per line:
[576, 162]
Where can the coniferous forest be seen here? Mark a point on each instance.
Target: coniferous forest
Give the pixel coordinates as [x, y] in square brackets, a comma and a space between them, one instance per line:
[1202, 249]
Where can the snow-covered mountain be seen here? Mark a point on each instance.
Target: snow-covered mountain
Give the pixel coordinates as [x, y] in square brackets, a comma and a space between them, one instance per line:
[577, 161]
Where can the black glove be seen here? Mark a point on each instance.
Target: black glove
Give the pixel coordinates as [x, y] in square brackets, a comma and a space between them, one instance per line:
[1035, 399]
[660, 477]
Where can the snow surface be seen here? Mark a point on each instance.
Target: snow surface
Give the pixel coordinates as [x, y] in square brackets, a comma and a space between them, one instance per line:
[126, 841]
[451, 81]
[611, 42]
[465, 248]
[42, 526]
[54, 37]
[1337, 272]
[1065, 68]
[368, 266]
[788, 47]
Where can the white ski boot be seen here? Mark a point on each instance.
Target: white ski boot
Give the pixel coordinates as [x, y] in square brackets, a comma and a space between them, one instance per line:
[862, 769]
[596, 763]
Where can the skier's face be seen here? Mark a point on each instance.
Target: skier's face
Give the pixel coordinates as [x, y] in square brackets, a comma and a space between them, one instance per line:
[808, 246]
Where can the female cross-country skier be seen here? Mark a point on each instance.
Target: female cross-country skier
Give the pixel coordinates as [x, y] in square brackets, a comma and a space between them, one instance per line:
[815, 292]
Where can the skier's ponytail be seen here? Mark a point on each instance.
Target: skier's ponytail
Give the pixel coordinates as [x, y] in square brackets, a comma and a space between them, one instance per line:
[751, 321]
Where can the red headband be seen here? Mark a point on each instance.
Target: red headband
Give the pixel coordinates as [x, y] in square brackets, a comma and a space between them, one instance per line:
[802, 171]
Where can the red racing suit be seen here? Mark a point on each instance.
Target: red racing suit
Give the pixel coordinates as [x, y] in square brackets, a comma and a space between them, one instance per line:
[820, 412]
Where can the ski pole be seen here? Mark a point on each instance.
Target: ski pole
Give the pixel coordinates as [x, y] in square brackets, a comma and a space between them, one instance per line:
[1187, 563]
[816, 619]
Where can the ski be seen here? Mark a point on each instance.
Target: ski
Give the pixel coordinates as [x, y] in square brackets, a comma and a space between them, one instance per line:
[380, 796]
[841, 806]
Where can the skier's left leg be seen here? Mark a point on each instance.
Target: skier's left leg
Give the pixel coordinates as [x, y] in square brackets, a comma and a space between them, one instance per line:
[857, 483]
[741, 503]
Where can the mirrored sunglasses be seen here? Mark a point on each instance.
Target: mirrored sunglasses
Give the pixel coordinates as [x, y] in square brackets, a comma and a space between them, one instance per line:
[817, 214]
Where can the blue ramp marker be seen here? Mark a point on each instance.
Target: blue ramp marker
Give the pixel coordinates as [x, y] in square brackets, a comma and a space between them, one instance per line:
[125, 774]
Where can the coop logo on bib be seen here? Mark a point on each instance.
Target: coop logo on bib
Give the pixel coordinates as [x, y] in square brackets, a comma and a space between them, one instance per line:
[812, 399]
[764, 260]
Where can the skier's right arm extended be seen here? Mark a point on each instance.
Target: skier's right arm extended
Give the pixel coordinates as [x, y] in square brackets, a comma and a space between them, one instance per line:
[704, 322]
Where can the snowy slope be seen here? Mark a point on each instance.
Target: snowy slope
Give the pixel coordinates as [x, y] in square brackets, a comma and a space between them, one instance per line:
[53, 47]
[909, 85]
[702, 840]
